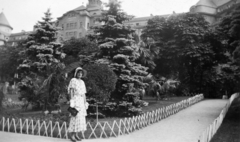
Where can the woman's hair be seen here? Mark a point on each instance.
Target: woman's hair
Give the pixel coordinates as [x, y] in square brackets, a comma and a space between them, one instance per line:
[84, 72]
[78, 72]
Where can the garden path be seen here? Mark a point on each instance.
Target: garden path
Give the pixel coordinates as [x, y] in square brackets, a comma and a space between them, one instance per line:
[185, 126]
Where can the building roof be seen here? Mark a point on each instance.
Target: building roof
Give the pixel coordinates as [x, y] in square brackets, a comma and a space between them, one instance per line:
[21, 33]
[82, 7]
[139, 19]
[206, 3]
[212, 3]
[4, 21]
[220, 2]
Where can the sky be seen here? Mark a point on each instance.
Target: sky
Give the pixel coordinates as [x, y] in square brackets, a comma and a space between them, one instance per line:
[24, 14]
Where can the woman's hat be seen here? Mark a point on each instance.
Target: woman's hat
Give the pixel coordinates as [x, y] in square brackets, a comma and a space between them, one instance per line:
[84, 72]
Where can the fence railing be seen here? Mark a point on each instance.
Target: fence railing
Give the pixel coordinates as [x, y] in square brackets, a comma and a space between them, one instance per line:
[207, 135]
[95, 130]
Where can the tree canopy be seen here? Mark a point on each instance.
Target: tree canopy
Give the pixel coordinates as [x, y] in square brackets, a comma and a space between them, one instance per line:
[117, 49]
[189, 50]
[39, 72]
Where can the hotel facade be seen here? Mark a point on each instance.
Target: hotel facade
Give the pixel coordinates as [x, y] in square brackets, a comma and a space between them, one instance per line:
[78, 22]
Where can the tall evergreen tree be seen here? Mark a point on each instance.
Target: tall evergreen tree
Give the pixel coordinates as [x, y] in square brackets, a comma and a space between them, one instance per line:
[38, 72]
[118, 49]
[42, 50]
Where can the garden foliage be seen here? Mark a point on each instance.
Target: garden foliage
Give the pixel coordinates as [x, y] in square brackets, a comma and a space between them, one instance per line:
[76, 48]
[100, 81]
[118, 51]
[189, 50]
[10, 59]
[40, 82]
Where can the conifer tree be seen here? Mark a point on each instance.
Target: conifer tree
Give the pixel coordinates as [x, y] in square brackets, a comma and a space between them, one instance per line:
[38, 72]
[118, 49]
[42, 50]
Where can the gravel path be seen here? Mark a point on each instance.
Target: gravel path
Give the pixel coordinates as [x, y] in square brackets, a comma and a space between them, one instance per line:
[185, 126]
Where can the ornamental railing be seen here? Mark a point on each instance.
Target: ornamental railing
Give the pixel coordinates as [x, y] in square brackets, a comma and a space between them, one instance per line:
[95, 130]
[208, 134]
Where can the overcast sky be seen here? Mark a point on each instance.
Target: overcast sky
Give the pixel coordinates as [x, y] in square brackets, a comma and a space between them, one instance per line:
[24, 14]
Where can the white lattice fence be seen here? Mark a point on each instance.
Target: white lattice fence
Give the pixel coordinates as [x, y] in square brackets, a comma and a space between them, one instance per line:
[128, 125]
[99, 129]
[34, 127]
[207, 135]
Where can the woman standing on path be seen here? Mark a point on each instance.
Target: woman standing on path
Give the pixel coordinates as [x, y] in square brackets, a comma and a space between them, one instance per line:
[77, 91]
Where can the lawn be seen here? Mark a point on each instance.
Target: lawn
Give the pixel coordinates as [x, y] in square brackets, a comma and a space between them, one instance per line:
[36, 115]
[153, 105]
[230, 128]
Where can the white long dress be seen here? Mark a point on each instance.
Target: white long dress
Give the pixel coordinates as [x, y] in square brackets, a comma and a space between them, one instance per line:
[78, 123]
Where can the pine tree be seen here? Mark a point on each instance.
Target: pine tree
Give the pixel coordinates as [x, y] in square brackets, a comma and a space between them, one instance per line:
[43, 60]
[42, 50]
[118, 49]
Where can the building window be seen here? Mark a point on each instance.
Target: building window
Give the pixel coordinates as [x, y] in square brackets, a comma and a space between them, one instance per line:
[81, 25]
[88, 25]
[71, 15]
[72, 25]
[75, 25]
[80, 34]
[71, 34]
[62, 26]
[137, 24]
[95, 21]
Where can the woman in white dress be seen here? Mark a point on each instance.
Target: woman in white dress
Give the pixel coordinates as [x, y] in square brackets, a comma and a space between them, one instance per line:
[77, 90]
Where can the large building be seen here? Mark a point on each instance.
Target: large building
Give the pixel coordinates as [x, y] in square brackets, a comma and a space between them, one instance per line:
[213, 10]
[15, 38]
[77, 22]
[5, 29]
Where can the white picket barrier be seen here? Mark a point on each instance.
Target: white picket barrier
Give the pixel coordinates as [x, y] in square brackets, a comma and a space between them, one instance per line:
[98, 130]
[208, 134]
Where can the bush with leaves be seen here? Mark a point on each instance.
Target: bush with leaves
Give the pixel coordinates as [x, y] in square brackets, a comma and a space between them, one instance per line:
[114, 109]
[100, 81]
[1, 97]
[10, 59]
[81, 46]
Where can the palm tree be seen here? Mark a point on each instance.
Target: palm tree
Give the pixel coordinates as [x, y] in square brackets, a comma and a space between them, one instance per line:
[148, 53]
[168, 85]
[158, 90]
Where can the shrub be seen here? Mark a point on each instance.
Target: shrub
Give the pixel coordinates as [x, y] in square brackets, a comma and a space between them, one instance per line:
[113, 109]
[100, 81]
[1, 97]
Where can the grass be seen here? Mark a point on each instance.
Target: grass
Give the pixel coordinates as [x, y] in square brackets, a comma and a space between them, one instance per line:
[153, 105]
[230, 128]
